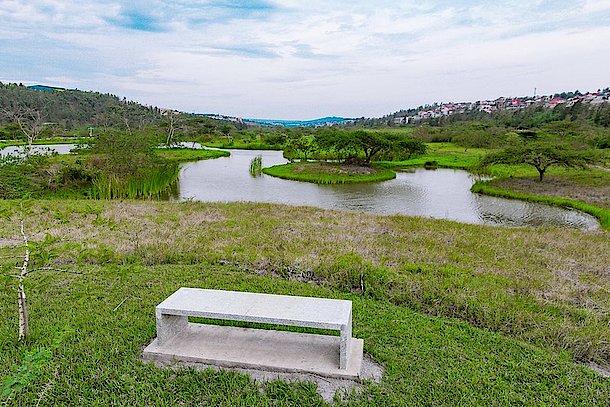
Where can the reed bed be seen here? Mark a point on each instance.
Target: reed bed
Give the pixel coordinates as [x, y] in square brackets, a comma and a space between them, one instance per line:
[153, 183]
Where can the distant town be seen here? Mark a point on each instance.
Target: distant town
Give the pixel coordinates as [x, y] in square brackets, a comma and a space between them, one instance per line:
[437, 110]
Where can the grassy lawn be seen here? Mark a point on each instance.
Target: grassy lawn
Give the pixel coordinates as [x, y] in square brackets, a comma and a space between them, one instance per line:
[174, 155]
[447, 155]
[45, 141]
[88, 351]
[329, 173]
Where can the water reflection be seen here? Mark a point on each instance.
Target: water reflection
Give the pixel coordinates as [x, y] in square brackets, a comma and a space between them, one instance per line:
[441, 193]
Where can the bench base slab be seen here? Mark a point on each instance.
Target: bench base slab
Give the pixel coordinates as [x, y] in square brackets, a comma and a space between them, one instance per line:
[280, 351]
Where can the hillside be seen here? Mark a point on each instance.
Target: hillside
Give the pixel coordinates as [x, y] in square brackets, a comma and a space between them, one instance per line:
[70, 109]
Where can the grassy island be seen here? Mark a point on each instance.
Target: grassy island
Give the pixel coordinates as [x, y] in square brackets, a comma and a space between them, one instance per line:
[329, 173]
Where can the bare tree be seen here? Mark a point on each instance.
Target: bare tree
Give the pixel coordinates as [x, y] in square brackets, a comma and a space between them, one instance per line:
[171, 128]
[31, 122]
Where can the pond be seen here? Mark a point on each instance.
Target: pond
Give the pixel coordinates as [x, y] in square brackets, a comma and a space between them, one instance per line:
[441, 193]
[39, 149]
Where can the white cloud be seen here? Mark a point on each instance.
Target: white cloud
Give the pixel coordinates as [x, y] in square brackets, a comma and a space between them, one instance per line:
[291, 59]
[595, 6]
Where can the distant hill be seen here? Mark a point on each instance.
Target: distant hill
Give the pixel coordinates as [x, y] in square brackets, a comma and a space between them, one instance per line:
[324, 121]
[71, 108]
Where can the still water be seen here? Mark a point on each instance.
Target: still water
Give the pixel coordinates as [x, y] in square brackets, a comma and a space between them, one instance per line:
[38, 149]
[440, 193]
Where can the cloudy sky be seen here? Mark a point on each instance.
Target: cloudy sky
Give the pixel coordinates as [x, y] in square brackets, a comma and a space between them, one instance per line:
[290, 59]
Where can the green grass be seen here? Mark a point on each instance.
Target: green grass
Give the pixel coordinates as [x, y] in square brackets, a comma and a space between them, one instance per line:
[88, 331]
[602, 214]
[256, 166]
[327, 173]
[446, 155]
[156, 182]
[180, 155]
[548, 287]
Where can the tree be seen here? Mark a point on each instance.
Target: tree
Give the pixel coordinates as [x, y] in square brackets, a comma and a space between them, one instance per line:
[123, 154]
[371, 143]
[30, 122]
[539, 155]
[171, 124]
[225, 129]
[411, 147]
[303, 146]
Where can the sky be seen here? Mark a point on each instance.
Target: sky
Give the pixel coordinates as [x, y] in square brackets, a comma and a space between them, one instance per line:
[290, 59]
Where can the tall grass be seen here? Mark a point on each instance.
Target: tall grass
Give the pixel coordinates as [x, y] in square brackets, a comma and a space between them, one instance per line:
[152, 183]
[256, 166]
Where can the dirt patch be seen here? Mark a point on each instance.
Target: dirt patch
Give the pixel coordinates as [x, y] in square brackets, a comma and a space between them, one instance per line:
[598, 195]
[327, 387]
[335, 169]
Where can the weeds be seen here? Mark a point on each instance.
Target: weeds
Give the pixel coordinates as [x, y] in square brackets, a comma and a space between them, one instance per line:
[256, 166]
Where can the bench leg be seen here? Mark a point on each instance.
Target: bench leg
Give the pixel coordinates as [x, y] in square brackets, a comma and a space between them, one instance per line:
[346, 337]
[168, 326]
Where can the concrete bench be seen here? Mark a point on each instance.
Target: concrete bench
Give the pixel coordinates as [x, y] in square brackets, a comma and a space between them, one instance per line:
[172, 324]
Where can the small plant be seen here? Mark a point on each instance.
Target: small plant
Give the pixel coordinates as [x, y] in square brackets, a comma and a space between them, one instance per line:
[256, 166]
[33, 364]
